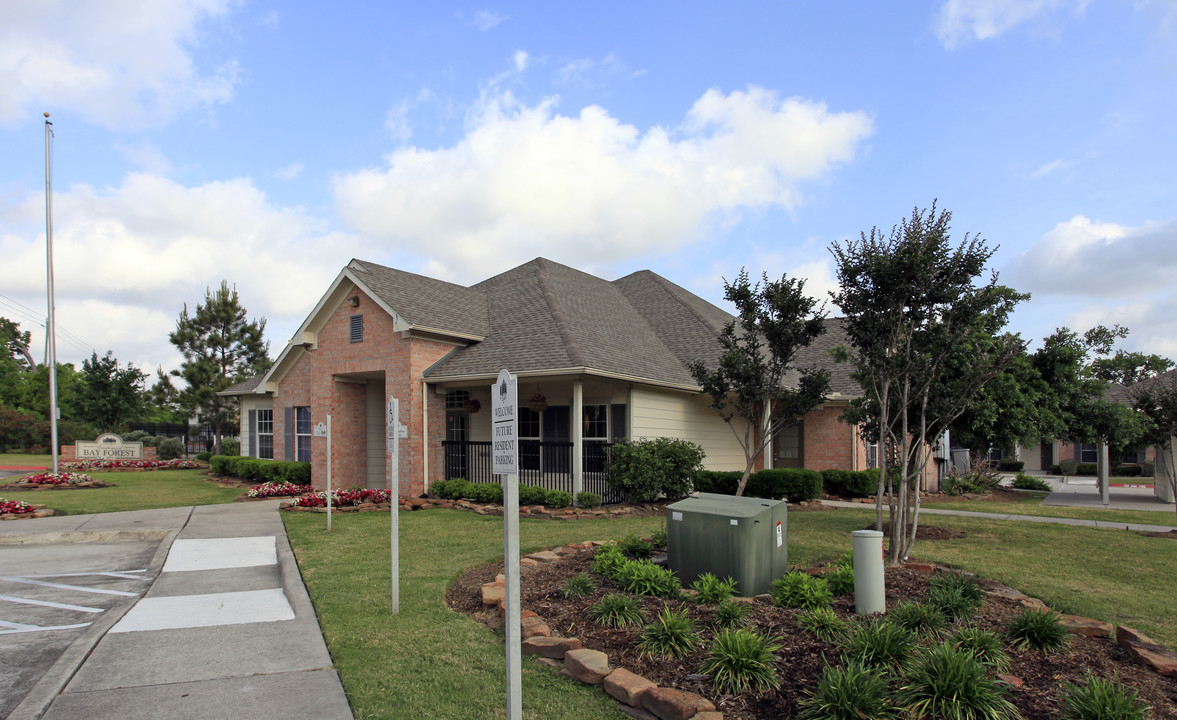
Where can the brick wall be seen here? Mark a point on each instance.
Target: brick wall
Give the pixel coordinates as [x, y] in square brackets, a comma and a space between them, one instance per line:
[384, 354]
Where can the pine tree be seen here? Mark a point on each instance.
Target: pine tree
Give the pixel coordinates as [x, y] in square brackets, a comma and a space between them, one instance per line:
[220, 347]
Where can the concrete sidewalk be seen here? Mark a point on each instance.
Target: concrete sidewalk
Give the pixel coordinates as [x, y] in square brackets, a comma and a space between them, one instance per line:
[225, 631]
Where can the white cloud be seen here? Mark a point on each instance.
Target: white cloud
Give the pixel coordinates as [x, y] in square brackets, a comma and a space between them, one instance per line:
[118, 64]
[526, 181]
[290, 172]
[127, 258]
[521, 58]
[593, 72]
[145, 156]
[487, 19]
[960, 21]
[1049, 168]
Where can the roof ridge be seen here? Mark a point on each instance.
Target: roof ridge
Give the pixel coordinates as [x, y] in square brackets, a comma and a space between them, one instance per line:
[671, 289]
[561, 319]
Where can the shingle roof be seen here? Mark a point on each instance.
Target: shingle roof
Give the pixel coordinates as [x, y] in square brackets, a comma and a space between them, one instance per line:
[244, 387]
[544, 316]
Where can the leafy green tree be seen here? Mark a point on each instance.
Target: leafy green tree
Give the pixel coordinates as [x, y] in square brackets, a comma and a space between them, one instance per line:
[925, 338]
[1011, 409]
[163, 400]
[15, 362]
[755, 379]
[220, 347]
[1156, 400]
[108, 396]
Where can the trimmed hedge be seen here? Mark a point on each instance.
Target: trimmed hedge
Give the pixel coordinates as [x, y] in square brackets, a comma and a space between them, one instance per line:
[247, 468]
[792, 484]
[1086, 469]
[720, 482]
[1128, 470]
[1011, 465]
[850, 483]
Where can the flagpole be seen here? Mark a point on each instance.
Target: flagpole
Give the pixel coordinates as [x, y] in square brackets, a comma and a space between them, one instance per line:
[50, 327]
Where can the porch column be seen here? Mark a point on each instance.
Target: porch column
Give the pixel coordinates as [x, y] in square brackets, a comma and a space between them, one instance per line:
[424, 436]
[1103, 471]
[577, 437]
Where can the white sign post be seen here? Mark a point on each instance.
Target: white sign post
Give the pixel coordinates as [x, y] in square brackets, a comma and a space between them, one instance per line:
[504, 405]
[394, 492]
[327, 434]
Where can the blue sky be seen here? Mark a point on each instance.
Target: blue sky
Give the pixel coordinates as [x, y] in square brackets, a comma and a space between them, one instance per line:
[269, 143]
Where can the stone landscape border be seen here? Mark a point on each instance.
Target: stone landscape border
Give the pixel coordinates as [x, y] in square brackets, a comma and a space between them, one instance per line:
[641, 698]
[39, 511]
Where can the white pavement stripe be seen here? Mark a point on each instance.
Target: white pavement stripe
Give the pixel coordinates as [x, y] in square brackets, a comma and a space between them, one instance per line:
[19, 628]
[191, 611]
[60, 586]
[46, 603]
[221, 553]
[122, 574]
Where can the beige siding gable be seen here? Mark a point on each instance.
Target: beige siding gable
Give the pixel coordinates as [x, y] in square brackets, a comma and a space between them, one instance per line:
[687, 417]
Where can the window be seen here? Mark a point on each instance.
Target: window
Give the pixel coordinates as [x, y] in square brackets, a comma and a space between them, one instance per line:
[528, 424]
[1087, 453]
[596, 422]
[872, 456]
[265, 434]
[302, 434]
[456, 399]
[356, 328]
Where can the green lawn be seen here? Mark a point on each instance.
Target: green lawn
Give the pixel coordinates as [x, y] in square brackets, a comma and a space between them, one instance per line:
[23, 460]
[131, 491]
[1030, 506]
[430, 662]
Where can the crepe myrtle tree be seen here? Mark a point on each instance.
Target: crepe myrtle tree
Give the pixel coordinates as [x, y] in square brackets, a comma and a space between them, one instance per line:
[924, 338]
[753, 378]
[1156, 400]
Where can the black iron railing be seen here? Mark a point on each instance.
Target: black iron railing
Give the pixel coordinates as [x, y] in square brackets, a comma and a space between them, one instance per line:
[541, 464]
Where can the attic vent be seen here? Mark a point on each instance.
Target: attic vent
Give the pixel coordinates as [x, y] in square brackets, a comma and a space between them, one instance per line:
[356, 333]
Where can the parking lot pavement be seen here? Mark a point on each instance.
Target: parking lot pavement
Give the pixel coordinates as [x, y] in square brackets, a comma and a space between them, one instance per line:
[55, 595]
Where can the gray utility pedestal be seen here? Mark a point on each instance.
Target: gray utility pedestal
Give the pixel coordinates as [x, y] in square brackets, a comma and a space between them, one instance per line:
[727, 536]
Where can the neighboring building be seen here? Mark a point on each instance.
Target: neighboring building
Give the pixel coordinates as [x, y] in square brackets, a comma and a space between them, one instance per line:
[608, 358]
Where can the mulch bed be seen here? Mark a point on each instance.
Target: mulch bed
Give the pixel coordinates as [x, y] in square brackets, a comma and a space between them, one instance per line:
[802, 657]
[1172, 534]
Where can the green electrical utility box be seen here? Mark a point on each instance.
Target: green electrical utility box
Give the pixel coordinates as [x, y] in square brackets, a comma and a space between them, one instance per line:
[739, 537]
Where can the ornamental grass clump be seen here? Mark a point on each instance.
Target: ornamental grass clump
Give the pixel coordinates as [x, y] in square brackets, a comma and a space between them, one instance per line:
[957, 597]
[741, 661]
[841, 580]
[578, 586]
[1040, 630]
[672, 635]
[607, 561]
[850, 692]
[801, 590]
[731, 614]
[616, 611]
[1099, 699]
[947, 683]
[880, 644]
[985, 646]
[642, 577]
[919, 618]
[710, 590]
[824, 623]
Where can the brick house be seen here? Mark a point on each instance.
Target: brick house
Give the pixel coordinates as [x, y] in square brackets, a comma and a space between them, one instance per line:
[608, 359]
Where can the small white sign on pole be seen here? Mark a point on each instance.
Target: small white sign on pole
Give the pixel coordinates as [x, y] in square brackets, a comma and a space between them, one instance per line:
[394, 491]
[504, 404]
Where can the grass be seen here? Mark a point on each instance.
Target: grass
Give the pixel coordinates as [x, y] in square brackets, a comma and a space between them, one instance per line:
[23, 460]
[132, 491]
[431, 662]
[1030, 506]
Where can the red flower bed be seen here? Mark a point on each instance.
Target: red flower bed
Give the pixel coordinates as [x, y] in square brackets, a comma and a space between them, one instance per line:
[105, 464]
[48, 478]
[342, 498]
[284, 489]
[14, 507]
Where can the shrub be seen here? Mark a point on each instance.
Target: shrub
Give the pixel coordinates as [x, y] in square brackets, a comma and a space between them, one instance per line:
[532, 495]
[1086, 469]
[741, 661]
[850, 483]
[616, 611]
[800, 590]
[731, 614]
[578, 586]
[658, 537]
[455, 489]
[956, 597]
[1056, 470]
[792, 484]
[1148, 468]
[170, 449]
[710, 590]
[587, 499]
[919, 618]
[608, 560]
[295, 472]
[824, 623]
[672, 635]
[1068, 466]
[720, 482]
[646, 468]
[219, 464]
[230, 446]
[634, 546]
[642, 577]
[485, 492]
[204, 455]
[841, 580]
[947, 682]
[851, 692]
[1037, 629]
[968, 483]
[1128, 470]
[877, 643]
[1099, 699]
[1029, 482]
[1011, 465]
[557, 499]
[985, 645]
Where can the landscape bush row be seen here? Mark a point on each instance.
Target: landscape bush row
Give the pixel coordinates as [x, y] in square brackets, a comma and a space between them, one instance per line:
[274, 471]
[459, 489]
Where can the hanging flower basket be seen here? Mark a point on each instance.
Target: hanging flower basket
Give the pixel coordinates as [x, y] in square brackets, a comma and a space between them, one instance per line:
[538, 403]
[472, 405]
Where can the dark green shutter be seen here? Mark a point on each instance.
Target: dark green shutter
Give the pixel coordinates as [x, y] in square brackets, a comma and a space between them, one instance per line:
[252, 425]
[288, 413]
